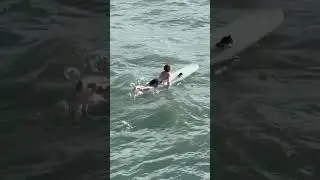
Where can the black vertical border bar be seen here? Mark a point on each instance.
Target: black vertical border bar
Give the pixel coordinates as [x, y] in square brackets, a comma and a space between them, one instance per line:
[215, 163]
[210, 86]
[107, 127]
[212, 170]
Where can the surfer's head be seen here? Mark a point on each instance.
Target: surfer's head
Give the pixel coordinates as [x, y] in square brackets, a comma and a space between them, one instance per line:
[167, 68]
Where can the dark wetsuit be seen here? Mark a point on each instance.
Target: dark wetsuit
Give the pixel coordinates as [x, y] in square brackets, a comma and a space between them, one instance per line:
[154, 83]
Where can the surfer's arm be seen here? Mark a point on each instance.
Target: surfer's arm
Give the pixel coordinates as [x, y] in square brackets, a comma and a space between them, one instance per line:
[169, 84]
[169, 81]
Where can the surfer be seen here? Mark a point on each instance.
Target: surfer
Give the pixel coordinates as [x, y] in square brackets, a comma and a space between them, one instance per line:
[164, 78]
[165, 75]
[225, 41]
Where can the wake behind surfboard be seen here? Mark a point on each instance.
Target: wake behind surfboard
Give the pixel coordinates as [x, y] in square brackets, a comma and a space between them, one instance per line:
[244, 31]
[177, 76]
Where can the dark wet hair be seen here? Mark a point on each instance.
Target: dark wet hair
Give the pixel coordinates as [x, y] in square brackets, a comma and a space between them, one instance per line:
[167, 68]
[79, 85]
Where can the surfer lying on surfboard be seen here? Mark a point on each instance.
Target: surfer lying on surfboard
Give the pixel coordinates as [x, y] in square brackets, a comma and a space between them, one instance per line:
[164, 78]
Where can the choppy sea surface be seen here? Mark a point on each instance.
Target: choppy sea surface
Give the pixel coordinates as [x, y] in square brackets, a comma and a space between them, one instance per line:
[164, 135]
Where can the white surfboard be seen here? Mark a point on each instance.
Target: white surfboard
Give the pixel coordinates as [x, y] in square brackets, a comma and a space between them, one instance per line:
[184, 72]
[245, 31]
[176, 77]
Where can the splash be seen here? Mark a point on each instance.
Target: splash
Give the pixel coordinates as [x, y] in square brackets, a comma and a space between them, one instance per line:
[127, 124]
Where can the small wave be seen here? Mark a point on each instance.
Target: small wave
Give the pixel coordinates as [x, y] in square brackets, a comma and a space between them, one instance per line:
[132, 85]
[127, 124]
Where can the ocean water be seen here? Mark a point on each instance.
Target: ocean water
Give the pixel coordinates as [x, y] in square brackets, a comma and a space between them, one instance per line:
[164, 135]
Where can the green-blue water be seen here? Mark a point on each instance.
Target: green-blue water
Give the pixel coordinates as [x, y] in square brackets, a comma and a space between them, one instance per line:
[165, 135]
